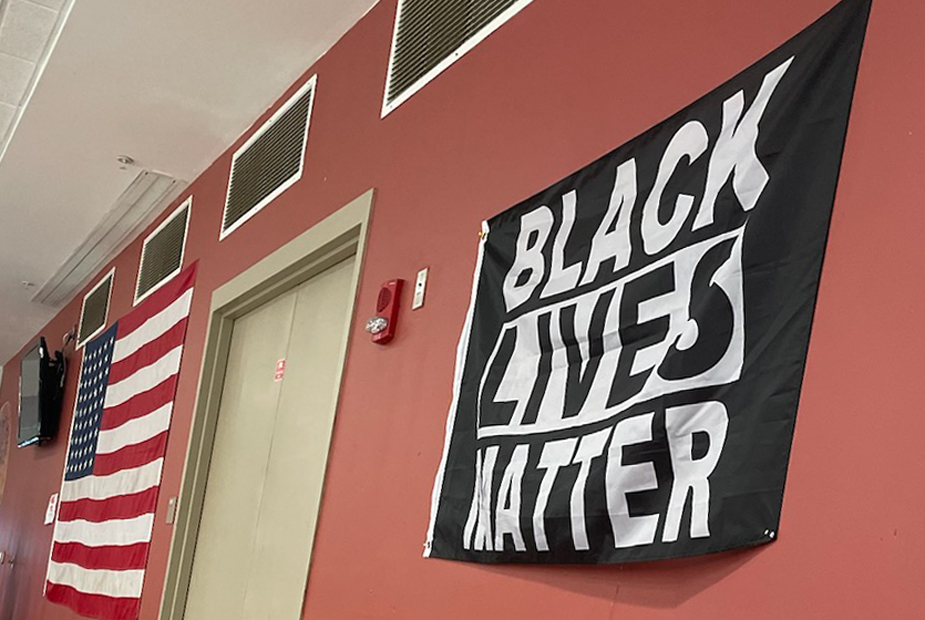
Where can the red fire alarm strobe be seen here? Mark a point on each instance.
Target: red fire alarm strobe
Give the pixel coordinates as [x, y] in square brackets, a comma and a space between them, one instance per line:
[382, 326]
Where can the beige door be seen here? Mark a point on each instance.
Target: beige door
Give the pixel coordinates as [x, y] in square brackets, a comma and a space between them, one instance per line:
[271, 444]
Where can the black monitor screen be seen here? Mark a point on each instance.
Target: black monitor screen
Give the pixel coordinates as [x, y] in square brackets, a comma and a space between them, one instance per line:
[30, 420]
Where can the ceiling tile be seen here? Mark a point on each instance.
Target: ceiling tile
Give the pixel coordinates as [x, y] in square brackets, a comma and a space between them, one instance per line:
[26, 28]
[6, 117]
[15, 74]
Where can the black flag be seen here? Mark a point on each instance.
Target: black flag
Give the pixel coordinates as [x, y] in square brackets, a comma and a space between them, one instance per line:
[629, 371]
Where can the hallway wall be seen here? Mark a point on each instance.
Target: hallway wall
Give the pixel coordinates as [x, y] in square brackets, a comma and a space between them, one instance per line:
[556, 87]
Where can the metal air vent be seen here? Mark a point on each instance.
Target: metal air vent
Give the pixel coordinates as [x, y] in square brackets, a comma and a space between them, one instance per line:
[95, 310]
[270, 161]
[430, 35]
[162, 253]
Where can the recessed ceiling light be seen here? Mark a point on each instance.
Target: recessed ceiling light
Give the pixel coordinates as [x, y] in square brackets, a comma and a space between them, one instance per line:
[27, 284]
[125, 160]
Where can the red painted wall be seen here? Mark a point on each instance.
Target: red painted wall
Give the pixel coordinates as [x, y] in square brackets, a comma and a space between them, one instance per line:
[556, 87]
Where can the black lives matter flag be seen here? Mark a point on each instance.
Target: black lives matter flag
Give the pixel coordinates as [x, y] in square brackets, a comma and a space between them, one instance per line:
[629, 371]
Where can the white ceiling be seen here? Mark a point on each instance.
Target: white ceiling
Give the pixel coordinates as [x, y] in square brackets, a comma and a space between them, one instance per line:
[27, 33]
[171, 83]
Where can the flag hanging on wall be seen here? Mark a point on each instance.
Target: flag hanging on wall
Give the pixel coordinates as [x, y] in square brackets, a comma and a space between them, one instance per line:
[630, 367]
[115, 456]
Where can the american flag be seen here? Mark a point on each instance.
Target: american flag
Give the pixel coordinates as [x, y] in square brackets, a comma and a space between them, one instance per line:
[115, 456]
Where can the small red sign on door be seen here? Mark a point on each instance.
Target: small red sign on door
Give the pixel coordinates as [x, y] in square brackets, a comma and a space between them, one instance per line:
[280, 370]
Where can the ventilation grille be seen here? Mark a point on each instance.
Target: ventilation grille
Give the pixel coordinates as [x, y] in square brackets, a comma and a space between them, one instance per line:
[162, 255]
[270, 161]
[430, 33]
[95, 310]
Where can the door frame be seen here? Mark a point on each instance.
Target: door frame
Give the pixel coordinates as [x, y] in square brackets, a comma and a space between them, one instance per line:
[334, 239]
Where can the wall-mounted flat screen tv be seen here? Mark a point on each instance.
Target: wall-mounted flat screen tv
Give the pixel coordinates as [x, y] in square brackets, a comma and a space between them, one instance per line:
[41, 385]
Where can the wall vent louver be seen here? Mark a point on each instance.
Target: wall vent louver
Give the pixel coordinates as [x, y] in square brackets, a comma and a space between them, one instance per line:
[430, 35]
[270, 161]
[95, 310]
[162, 252]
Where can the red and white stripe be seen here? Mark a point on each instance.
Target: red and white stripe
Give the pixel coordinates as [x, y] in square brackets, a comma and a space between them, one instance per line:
[105, 520]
